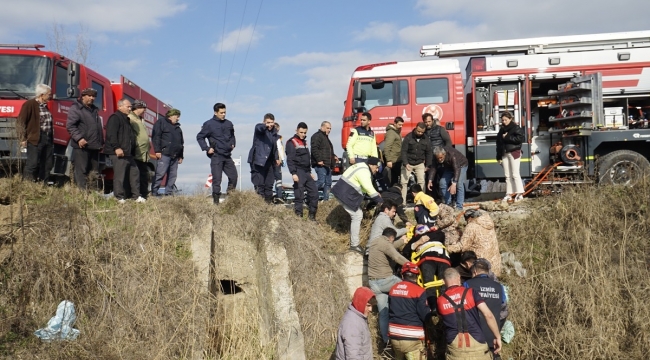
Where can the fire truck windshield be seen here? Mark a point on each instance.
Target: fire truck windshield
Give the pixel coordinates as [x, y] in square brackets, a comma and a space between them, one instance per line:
[20, 74]
[385, 93]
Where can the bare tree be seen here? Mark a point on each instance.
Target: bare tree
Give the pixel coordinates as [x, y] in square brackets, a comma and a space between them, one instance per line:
[77, 48]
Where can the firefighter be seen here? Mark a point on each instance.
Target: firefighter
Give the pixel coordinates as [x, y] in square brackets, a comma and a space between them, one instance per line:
[34, 127]
[459, 308]
[220, 134]
[408, 313]
[263, 156]
[494, 295]
[349, 191]
[85, 128]
[299, 164]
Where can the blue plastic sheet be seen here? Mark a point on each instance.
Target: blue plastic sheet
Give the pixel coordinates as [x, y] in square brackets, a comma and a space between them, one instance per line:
[60, 326]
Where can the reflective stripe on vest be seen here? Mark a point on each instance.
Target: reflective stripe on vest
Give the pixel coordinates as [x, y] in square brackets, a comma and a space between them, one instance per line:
[405, 331]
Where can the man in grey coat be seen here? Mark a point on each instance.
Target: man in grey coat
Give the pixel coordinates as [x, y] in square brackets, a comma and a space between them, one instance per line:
[87, 136]
[384, 220]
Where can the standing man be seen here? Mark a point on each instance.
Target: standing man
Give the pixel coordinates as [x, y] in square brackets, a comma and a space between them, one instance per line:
[323, 158]
[408, 312]
[220, 133]
[168, 144]
[459, 308]
[277, 170]
[34, 128]
[299, 164]
[349, 191]
[393, 151]
[120, 146]
[382, 252]
[85, 128]
[494, 295]
[436, 133]
[362, 143]
[416, 157]
[263, 156]
[453, 165]
[142, 144]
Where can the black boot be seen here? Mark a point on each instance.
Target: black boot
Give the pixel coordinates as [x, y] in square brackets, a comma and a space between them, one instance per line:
[312, 216]
[215, 198]
[298, 213]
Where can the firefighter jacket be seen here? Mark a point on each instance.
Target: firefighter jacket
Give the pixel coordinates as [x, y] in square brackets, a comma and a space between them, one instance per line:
[298, 155]
[361, 143]
[220, 135]
[167, 138]
[119, 135]
[454, 160]
[481, 237]
[514, 137]
[438, 136]
[84, 123]
[141, 137]
[353, 184]
[392, 144]
[264, 145]
[321, 149]
[494, 296]
[408, 311]
[467, 311]
[416, 151]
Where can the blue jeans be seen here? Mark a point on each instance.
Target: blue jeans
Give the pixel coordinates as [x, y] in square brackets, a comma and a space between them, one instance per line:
[445, 183]
[324, 182]
[165, 166]
[381, 287]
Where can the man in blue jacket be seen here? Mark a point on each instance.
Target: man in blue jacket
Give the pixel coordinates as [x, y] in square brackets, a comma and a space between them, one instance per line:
[167, 139]
[263, 156]
[299, 164]
[220, 133]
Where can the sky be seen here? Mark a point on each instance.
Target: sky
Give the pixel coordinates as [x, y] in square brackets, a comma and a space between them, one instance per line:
[290, 58]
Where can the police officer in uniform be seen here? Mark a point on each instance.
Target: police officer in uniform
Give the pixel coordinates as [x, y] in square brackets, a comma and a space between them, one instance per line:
[299, 164]
[220, 134]
[362, 144]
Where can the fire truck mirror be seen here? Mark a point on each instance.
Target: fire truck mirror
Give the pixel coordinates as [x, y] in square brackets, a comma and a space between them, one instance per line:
[73, 79]
[357, 90]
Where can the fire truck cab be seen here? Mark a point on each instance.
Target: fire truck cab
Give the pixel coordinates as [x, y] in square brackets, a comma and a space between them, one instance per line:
[582, 101]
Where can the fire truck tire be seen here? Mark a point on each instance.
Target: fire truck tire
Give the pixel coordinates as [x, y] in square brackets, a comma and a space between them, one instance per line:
[622, 167]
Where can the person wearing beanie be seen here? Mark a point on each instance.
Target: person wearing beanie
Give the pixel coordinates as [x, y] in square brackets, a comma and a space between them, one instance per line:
[349, 191]
[167, 139]
[353, 340]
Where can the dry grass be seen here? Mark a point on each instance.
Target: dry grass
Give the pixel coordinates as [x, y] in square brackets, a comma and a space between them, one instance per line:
[586, 294]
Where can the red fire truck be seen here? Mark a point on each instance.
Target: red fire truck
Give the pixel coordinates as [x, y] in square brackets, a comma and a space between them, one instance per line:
[582, 101]
[22, 67]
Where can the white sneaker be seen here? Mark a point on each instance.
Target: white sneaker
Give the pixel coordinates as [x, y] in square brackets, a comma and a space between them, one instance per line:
[121, 201]
[140, 199]
[507, 198]
[519, 197]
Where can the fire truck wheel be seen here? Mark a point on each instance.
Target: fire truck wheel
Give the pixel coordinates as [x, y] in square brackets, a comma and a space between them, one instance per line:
[622, 167]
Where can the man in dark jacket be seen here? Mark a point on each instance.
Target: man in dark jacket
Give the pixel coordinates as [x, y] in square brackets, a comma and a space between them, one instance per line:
[85, 128]
[453, 165]
[263, 156]
[323, 158]
[436, 133]
[121, 146]
[393, 151]
[168, 144]
[34, 128]
[416, 156]
[299, 164]
[220, 133]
